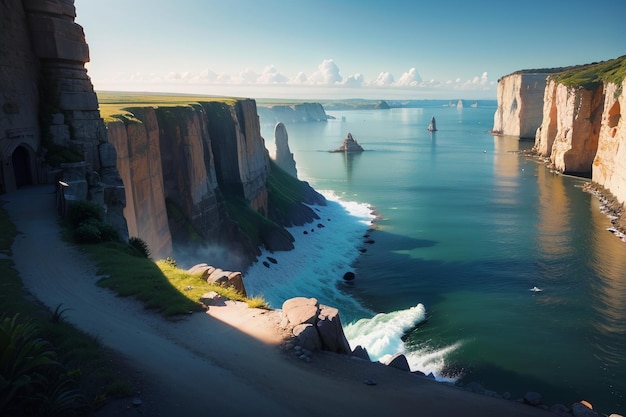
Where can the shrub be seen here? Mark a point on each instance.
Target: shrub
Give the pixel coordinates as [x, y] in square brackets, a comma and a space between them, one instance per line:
[81, 211]
[140, 246]
[108, 232]
[87, 232]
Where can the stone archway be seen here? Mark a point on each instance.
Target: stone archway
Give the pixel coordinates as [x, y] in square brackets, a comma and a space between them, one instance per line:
[21, 160]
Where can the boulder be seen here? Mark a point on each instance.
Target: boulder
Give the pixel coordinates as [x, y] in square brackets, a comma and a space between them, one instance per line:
[532, 398]
[307, 336]
[583, 409]
[330, 330]
[399, 361]
[361, 352]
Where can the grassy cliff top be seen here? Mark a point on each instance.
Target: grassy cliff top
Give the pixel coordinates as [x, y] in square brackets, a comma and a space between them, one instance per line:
[591, 75]
[113, 103]
[588, 76]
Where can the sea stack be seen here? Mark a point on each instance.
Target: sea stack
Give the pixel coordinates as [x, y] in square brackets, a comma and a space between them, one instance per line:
[349, 145]
[432, 127]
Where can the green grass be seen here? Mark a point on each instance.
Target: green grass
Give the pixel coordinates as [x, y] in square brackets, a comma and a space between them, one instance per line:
[590, 76]
[118, 105]
[160, 286]
[80, 353]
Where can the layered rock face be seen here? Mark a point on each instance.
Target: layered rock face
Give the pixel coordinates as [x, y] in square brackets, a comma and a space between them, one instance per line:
[297, 113]
[49, 107]
[609, 165]
[581, 130]
[184, 165]
[570, 128]
[520, 104]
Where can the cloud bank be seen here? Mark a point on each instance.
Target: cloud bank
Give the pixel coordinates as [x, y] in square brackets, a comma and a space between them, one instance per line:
[327, 75]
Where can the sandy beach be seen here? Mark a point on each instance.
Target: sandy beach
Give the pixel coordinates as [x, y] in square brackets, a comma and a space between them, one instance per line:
[229, 361]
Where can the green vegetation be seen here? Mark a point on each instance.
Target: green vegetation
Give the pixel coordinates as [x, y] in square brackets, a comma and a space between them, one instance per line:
[118, 105]
[590, 76]
[47, 367]
[86, 219]
[286, 193]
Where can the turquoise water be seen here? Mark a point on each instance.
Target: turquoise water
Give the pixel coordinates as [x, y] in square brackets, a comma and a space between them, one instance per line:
[465, 228]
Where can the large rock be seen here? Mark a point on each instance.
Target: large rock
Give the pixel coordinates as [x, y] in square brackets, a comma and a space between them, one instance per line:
[315, 326]
[284, 157]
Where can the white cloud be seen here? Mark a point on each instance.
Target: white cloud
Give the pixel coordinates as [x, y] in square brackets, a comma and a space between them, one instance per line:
[327, 74]
[354, 80]
[384, 79]
[409, 79]
[271, 75]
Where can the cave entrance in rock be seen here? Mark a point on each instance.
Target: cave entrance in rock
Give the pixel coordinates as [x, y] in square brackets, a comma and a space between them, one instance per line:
[22, 169]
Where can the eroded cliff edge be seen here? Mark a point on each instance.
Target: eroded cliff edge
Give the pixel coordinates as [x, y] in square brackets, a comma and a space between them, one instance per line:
[577, 120]
[200, 184]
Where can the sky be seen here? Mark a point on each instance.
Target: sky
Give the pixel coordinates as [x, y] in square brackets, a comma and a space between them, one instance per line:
[323, 49]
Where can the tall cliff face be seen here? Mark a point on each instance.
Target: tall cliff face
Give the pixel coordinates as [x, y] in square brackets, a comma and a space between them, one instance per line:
[582, 131]
[199, 182]
[570, 129]
[609, 164]
[293, 113]
[520, 104]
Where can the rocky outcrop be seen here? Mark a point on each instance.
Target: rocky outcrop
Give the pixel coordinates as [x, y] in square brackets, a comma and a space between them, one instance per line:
[315, 326]
[217, 276]
[520, 103]
[292, 113]
[284, 157]
[50, 125]
[349, 145]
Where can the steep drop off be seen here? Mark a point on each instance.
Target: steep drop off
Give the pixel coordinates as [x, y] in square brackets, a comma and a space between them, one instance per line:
[200, 183]
[580, 130]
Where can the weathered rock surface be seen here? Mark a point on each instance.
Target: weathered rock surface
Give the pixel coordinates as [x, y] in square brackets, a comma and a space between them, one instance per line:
[349, 145]
[317, 327]
[214, 275]
[520, 104]
[580, 130]
[296, 113]
[284, 157]
[48, 102]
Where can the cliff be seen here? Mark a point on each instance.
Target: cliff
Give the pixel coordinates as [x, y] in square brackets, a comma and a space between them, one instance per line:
[50, 125]
[581, 130]
[200, 183]
[292, 113]
[517, 113]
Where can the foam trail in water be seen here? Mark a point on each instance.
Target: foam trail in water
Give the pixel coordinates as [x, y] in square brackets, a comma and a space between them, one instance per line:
[382, 336]
[321, 257]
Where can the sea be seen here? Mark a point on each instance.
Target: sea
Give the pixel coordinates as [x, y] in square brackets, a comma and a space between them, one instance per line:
[477, 263]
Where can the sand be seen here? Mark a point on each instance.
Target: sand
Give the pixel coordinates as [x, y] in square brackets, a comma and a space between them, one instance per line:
[229, 361]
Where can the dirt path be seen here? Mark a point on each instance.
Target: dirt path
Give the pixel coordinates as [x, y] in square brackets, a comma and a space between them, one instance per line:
[227, 362]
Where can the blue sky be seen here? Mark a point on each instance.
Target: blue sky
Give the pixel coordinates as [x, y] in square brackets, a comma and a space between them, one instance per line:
[337, 49]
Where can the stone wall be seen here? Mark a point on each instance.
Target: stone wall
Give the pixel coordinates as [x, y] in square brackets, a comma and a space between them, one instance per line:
[49, 107]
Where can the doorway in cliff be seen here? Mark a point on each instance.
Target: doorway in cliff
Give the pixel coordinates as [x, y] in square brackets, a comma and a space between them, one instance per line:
[22, 169]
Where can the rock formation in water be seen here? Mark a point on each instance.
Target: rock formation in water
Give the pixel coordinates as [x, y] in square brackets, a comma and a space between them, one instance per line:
[50, 125]
[349, 145]
[284, 157]
[432, 126]
[580, 129]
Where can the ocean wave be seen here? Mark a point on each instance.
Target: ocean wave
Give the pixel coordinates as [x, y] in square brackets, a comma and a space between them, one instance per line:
[322, 255]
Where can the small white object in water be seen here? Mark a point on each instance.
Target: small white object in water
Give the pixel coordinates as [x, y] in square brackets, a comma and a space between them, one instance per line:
[536, 289]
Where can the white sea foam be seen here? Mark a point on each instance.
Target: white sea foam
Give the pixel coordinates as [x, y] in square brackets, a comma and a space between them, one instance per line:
[321, 257]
